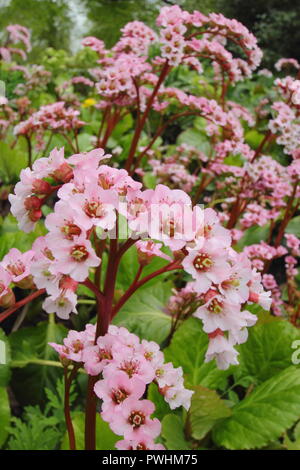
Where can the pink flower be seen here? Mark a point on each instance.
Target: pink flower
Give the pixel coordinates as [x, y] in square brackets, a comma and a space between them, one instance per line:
[221, 349]
[73, 257]
[63, 222]
[178, 396]
[147, 249]
[218, 313]
[18, 264]
[134, 366]
[133, 421]
[143, 443]
[62, 304]
[95, 207]
[208, 264]
[98, 356]
[116, 390]
[5, 280]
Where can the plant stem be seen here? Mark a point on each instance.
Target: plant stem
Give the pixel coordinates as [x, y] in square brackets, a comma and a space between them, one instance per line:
[68, 419]
[136, 285]
[29, 147]
[19, 304]
[142, 120]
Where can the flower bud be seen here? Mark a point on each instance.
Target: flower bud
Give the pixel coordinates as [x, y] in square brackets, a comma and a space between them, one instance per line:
[40, 186]
[8, 300]
[32, 203]
[26, 283]
[64, 173]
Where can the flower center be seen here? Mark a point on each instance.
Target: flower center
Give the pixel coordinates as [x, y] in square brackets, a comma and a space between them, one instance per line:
[104, 354]
[77, 346]
[70, 230]
[119, 395]
[215, 306]
[230, 283]
[141, 446]
[94, 209]
[136, 419]
[202, 262]
[79, 253]
[17, 268]
[130, 367]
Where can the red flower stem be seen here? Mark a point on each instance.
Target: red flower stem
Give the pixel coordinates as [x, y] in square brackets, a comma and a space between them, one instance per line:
[98, 142]
[160, 131]
[19, 304]
[68, 419]
[104, 302]
[90, 414]
[141, 123]
[237, 207]
[136, 285]
[29, 147]
[289, 212]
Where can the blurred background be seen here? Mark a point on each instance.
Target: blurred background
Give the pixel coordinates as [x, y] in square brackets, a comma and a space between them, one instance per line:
[61, 24]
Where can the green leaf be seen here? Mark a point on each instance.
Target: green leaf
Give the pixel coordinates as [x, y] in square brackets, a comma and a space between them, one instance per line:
[207, 408]
[294, 226]
[173, 433]
[34, 432]
[195, 138]
[149, 180]
[264, 415]
[187, 349]
[252, 235]
[105, 438]
[84, 142]
[267, 351]
[11, 163]
[11, 236]
[143, 313]
[253, 138]
[4, 415]
[161, 406]
[4, 367]
[32, 356]
[129, 266]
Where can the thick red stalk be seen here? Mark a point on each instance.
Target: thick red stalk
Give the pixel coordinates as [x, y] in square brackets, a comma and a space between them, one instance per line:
[142, 120]
[19, 304]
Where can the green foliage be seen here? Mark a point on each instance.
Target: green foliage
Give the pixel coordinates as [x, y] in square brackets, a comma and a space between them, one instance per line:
[187, 350]
[4, 368]
[12, 161]
[11, 236]
[34, 361]
[105, 438]
[173, 433]
[195, 138]
[143, 313]
[207, 408]
[4, 415]
[267, 351]
[36, 432]
[263, 415]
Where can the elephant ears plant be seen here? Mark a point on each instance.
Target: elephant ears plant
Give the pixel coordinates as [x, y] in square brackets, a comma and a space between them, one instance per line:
[118, 233]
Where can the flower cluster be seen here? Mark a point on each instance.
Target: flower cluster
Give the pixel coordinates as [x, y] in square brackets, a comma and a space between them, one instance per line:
[16, 34]
[55, 117]
[127, 366]
[91, 195]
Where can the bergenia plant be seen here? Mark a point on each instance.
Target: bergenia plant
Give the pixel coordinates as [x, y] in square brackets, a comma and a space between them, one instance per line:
[95, 206]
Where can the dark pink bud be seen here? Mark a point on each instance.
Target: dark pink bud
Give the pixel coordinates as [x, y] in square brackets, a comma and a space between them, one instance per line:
[253, 297]
[40, 186]
[64, 173]
[32, 203]
[215, 333]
